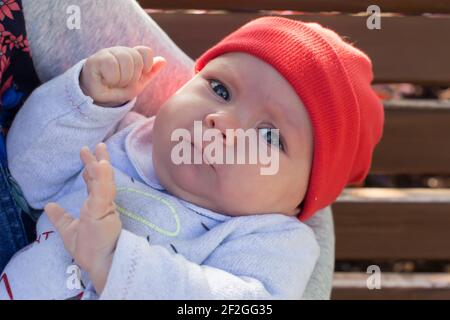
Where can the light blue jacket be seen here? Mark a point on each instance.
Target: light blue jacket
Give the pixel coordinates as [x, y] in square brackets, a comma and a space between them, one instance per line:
[168, 248]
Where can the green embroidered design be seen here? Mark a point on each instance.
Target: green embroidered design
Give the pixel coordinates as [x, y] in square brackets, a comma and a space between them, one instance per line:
[140, 219]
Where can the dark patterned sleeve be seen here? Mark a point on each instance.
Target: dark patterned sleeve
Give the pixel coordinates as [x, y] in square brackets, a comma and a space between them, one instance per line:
[17, 74]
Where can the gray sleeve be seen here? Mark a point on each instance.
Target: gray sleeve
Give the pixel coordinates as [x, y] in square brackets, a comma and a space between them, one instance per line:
[320, 284]
[103, 23]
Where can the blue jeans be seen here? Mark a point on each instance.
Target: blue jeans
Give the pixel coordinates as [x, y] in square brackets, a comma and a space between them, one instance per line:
[16, 227]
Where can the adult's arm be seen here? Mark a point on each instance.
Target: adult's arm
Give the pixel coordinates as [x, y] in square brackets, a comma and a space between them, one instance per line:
[320, 284]
[55, 48]
[104, 23]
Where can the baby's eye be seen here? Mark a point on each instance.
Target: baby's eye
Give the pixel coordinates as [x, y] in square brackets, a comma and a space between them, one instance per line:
[272, 137]
[220, 89]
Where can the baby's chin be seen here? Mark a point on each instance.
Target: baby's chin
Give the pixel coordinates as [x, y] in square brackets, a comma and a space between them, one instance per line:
[198, 185]
[222, 205]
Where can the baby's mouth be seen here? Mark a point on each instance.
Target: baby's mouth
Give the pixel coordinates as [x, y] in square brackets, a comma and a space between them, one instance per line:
[204, 156]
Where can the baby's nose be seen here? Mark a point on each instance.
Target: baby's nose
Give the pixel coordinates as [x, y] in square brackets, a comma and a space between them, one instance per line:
[223, 121]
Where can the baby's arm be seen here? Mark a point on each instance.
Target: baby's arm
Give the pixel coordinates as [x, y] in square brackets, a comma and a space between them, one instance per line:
[74, 110]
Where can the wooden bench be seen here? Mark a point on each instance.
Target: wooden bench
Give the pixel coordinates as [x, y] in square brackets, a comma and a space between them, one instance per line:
[372, 224]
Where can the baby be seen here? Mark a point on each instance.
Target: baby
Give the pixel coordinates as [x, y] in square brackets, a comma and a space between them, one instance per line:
[150, 228]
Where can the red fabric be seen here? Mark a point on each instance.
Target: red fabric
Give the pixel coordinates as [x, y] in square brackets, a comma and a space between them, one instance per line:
[332, 78]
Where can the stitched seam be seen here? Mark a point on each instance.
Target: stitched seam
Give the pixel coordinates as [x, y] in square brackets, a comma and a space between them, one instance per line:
[131, 273]
[77, 106]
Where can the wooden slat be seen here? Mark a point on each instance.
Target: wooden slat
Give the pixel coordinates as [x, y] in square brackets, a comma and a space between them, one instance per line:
[423, 286]
[352, 6]
[406, 49]
[383, 223]
[415, 138]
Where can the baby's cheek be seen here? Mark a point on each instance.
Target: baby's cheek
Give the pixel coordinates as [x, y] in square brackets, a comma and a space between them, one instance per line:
[254, 185]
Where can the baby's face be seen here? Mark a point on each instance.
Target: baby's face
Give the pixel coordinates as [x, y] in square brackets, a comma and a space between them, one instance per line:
[233, 91]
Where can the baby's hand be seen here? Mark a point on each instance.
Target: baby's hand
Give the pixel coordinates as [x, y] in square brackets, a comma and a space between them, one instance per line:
[116, 75]
[91, 239]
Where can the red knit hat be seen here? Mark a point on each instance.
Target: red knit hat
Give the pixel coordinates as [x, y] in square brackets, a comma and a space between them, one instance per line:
[332, 78]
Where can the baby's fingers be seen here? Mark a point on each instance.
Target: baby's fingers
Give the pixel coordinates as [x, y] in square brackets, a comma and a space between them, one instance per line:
[157, 65]
[86, 156]
[97, 169]
[102, 191]
[58, 216]
[147, 57]
[64, 223]
[101, 152]
[89, 161]
[126, 64]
